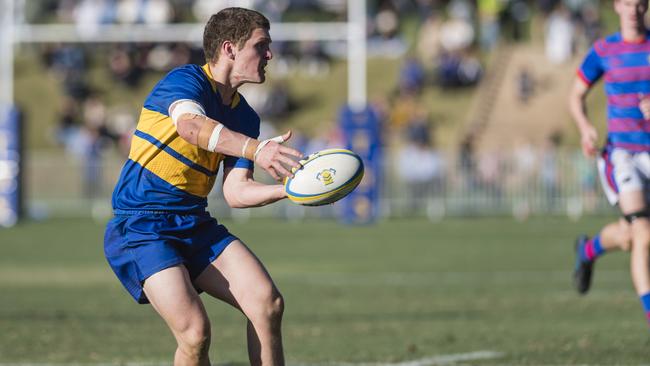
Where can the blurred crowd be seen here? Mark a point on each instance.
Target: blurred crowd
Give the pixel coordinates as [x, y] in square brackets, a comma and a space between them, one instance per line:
[443, 45]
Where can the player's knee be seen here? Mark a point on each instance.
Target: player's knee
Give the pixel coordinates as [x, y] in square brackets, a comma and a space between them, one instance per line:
[276, 309]
[195, 339]
[273, 306]
[269, 306]
[625, 240]
[626, 244]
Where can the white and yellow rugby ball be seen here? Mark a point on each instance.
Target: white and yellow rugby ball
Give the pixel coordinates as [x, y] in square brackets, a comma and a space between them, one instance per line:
[324, 177]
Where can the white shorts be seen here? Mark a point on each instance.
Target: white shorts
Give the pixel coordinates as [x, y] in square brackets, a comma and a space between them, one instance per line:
[624, 171]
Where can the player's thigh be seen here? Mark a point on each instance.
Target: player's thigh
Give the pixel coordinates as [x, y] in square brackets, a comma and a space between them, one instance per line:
[632, 201]
[238, 277]
[172, 294]
[628, 181]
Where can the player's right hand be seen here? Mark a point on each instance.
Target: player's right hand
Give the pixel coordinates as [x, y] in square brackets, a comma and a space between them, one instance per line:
[589, 138]
[275, 158]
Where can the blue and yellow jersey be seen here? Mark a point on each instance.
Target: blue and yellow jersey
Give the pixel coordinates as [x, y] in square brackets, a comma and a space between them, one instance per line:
[166, 173]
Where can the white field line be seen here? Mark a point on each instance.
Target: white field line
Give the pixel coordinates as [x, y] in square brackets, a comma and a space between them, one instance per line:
[428, 361]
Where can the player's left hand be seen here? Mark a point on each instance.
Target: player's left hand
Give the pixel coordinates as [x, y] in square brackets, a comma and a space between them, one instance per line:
[273, 157]
[644, 105]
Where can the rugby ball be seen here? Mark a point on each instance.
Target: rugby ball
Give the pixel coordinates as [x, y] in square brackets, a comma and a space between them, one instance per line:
[324, 177]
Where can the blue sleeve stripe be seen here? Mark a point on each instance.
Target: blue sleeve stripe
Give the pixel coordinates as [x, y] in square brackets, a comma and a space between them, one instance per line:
[639, 138]
[642, 86]
[173, 153]
[624, 112]
[233, 162]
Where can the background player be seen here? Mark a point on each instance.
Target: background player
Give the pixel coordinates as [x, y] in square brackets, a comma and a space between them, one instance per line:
[623, 59]
[162, 244]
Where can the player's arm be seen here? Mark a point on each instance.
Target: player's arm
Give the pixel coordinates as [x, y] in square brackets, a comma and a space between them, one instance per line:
[578, 109]
[196, 128]
[241, 191]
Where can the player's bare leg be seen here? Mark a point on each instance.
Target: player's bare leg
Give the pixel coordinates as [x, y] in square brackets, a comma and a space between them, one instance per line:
[640, 255]
[613, 237]
[634, 202]
[239, 278]
[616, 236]
[172, 295]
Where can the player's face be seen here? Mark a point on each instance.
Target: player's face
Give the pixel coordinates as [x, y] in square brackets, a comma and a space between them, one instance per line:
[252, 58]
[631, 13]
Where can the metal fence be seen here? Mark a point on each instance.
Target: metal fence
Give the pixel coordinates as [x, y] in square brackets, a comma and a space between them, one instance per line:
[557, 183]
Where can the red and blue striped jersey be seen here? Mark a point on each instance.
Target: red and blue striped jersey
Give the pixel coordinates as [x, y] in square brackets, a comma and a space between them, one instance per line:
[166, 173]
[625, 67]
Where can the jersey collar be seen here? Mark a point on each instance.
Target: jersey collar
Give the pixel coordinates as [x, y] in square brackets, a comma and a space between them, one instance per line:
[213, 83]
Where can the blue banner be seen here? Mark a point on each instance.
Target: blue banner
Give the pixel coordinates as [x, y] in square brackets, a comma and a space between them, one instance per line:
[362, 134]
[10, 166]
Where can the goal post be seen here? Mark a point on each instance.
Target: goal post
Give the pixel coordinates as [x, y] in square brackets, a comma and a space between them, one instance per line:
[7, 40]
[15, 31]
[353, 32]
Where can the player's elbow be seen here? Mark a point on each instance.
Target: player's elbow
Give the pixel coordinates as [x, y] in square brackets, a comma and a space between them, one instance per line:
[234, 203]
[233, 198]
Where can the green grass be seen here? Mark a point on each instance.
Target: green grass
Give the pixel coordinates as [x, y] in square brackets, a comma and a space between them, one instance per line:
[396, 291]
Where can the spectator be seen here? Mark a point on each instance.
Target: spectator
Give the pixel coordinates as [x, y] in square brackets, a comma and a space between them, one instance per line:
[412, 77]
[489, 171]
[90, 14]
[68, 122]
[458, 70]
[420, 167]
[428, 41]
[524, 167]
[559, 36]
[466, 159]
[518, 14]
[123, 67]
[386, 23]
[591, 23]
[549, 170]
[313, 60]
[456, 34]
[488, 15]
[68, 64]
[525, 84]
[150, 12]
[91, 145]
[121, 125]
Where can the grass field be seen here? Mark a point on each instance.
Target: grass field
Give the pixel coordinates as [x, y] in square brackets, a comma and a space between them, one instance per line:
[393, 292]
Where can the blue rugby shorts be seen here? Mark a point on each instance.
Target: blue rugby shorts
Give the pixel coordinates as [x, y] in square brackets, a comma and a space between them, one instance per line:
[139, 244]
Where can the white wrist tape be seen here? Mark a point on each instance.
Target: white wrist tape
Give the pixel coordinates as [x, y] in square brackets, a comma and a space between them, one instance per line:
[278, 139]
[183, 106]
[214, 138]
[243, 148]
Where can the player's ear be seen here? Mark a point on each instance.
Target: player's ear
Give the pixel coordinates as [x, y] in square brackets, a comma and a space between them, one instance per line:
[228, 49]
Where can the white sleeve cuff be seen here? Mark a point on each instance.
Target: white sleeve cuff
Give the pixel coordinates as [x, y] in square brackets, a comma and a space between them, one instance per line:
[183, 106]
